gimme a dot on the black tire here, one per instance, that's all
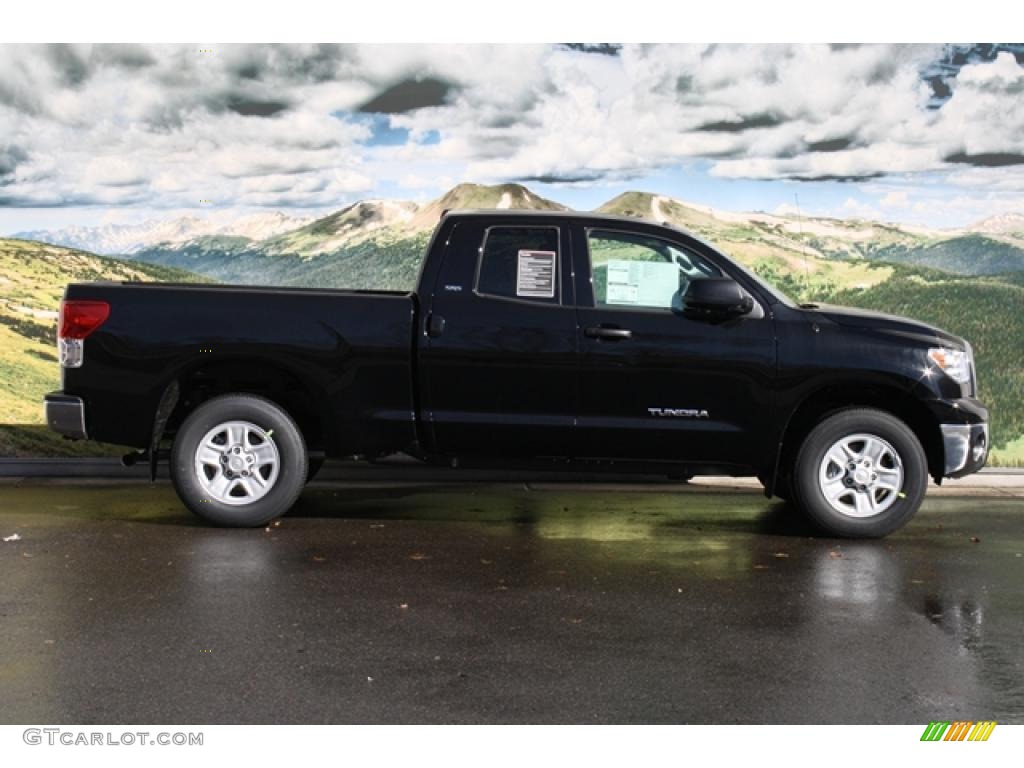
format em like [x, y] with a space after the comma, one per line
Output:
[902, 504]
[280, 431]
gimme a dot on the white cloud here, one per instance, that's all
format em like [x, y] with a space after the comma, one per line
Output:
[859, 209]
[898, 198]
[931, 203]
[786, 209]
[259, 125]
[960, 210]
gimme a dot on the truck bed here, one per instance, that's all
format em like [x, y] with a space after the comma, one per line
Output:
[349, 352]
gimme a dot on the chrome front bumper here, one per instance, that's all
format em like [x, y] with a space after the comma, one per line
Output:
[966, 448]
[65, 414]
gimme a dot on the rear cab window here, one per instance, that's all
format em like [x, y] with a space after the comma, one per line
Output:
[521, 263]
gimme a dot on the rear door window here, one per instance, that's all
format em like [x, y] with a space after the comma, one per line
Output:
[520, 263]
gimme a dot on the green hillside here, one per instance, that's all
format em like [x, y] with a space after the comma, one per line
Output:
[986, 311]
[379, 264]
[968, 255]
[32, 280]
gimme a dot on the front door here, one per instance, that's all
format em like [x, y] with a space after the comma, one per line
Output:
[501, 347]
[655, 383]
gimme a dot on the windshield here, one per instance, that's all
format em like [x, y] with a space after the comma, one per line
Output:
[768, 288]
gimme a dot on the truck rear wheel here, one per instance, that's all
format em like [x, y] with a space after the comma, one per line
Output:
[239, 461]
[860, 473]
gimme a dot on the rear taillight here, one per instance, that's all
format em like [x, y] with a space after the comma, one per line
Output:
[77, 320]
[80, 318]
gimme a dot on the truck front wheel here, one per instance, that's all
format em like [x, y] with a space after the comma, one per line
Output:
[860, 473]
[239, 461]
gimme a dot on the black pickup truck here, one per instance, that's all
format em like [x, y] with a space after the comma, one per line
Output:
[533, 339]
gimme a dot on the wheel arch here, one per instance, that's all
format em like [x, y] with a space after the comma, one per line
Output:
[831, 399]
[288, 388]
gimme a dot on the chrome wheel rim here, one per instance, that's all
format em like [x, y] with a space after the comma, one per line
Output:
[237, 463]
[861, 475]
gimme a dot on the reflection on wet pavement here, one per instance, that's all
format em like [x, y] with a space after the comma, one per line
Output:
[503, 604]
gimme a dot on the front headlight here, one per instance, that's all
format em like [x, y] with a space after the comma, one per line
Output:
[955, 363]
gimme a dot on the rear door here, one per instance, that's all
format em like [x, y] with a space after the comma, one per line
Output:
[500, 341]
[654, 382]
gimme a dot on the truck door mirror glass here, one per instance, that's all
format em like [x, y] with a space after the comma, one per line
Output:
[716, 296]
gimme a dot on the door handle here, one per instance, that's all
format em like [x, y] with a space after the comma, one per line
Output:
[435, 325]
[610, 334]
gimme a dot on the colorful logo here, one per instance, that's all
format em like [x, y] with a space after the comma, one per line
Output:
[960, 730]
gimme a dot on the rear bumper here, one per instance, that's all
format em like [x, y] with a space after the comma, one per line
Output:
[65, 414]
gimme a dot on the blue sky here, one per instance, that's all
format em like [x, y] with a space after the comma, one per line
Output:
[929, 135]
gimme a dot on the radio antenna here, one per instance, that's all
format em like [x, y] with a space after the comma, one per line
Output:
[803, 248]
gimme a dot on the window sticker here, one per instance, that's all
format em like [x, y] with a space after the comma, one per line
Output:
[641, 283]
[535, 277]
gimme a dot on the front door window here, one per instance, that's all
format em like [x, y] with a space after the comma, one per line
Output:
[631, 271]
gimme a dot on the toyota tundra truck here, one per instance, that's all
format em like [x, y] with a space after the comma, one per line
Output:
[533, 339]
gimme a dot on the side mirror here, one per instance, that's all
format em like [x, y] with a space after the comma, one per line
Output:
[716, 297]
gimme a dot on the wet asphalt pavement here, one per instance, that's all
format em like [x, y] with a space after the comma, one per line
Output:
[498, 603]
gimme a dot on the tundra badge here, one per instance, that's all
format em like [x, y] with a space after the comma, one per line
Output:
[680, 413]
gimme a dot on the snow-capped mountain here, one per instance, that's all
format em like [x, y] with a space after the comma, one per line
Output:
[1003, 224]
[260, 226]
[378, 240]
[349, 226]
[132, 238]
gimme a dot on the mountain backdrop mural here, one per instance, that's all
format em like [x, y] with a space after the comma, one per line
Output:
[884, 176]
[969, 281]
